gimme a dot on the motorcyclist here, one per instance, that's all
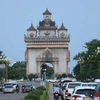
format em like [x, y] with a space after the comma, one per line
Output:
[17, 87]
[56, 89]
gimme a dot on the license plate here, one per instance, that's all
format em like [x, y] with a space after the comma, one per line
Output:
[87, 98]
[56, 94]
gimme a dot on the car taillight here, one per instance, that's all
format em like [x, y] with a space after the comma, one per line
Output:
[97, 94]
[66, 92]
[74, 97]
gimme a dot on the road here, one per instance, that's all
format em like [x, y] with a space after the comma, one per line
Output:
[16, 96]
[51, 92]
[12, 96]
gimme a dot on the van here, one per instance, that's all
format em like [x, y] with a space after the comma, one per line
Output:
[13, 83]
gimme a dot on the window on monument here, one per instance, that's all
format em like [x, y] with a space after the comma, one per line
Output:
[31, 35]
[47, 17]
[62, 35]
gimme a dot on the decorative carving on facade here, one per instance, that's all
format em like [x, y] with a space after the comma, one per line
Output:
[47, 56]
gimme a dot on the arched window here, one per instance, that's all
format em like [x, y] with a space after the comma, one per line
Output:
[62, 35]
[31, 35]
[47, 17]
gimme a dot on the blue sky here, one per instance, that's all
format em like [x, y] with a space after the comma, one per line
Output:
[80, 17]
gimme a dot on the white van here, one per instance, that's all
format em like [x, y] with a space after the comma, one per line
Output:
[13, 83]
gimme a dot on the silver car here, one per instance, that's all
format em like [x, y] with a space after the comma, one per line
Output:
[8, 89]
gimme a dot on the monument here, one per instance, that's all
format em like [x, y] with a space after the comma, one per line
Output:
[47, 44]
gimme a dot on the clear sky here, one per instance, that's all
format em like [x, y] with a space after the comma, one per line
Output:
[80, 17]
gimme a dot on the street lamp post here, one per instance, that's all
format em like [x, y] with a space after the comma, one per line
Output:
[44, 76]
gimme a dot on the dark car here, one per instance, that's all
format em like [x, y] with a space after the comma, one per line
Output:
[27, 88]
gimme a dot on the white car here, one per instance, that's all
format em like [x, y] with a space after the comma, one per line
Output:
[14, 84]
[8, 89]
[83, 92]
[67, 92]
[93, 84]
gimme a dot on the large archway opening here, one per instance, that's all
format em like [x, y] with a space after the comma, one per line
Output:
[49, 68]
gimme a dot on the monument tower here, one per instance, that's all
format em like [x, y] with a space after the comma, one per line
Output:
[47, 44]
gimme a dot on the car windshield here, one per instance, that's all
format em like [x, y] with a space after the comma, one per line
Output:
[86, 92]
[73, 85]
[8, 86]
[14, 83]
[28, 86]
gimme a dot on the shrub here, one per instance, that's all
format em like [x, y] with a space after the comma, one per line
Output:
[35, 95]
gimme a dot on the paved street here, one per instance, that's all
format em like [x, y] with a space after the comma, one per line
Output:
[20, 95]
[12, 96]
[16, 96]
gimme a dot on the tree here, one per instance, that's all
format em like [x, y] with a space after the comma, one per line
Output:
[31, 76]
[17, 71]
[64, 75]
[59, 76]
[87, 65]
[49, 72]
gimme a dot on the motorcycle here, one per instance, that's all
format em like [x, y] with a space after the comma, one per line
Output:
[23, 89]
[17, 90]
[56, 95]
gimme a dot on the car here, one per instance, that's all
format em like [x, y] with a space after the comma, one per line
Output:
[83, 93]
[7, 83]
[13, 83]
[14, 86]
[67, 92]
[97, 92]
[27, 88]
[89, 84]
[8, 89]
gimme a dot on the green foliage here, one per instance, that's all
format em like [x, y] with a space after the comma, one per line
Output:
[88, 62]
[31, 97]
[37, 94]
[31, 76]
[17, 71]
[59, 76]
[64, 75]
[45, 96]
[49, 72]
[1, 53]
